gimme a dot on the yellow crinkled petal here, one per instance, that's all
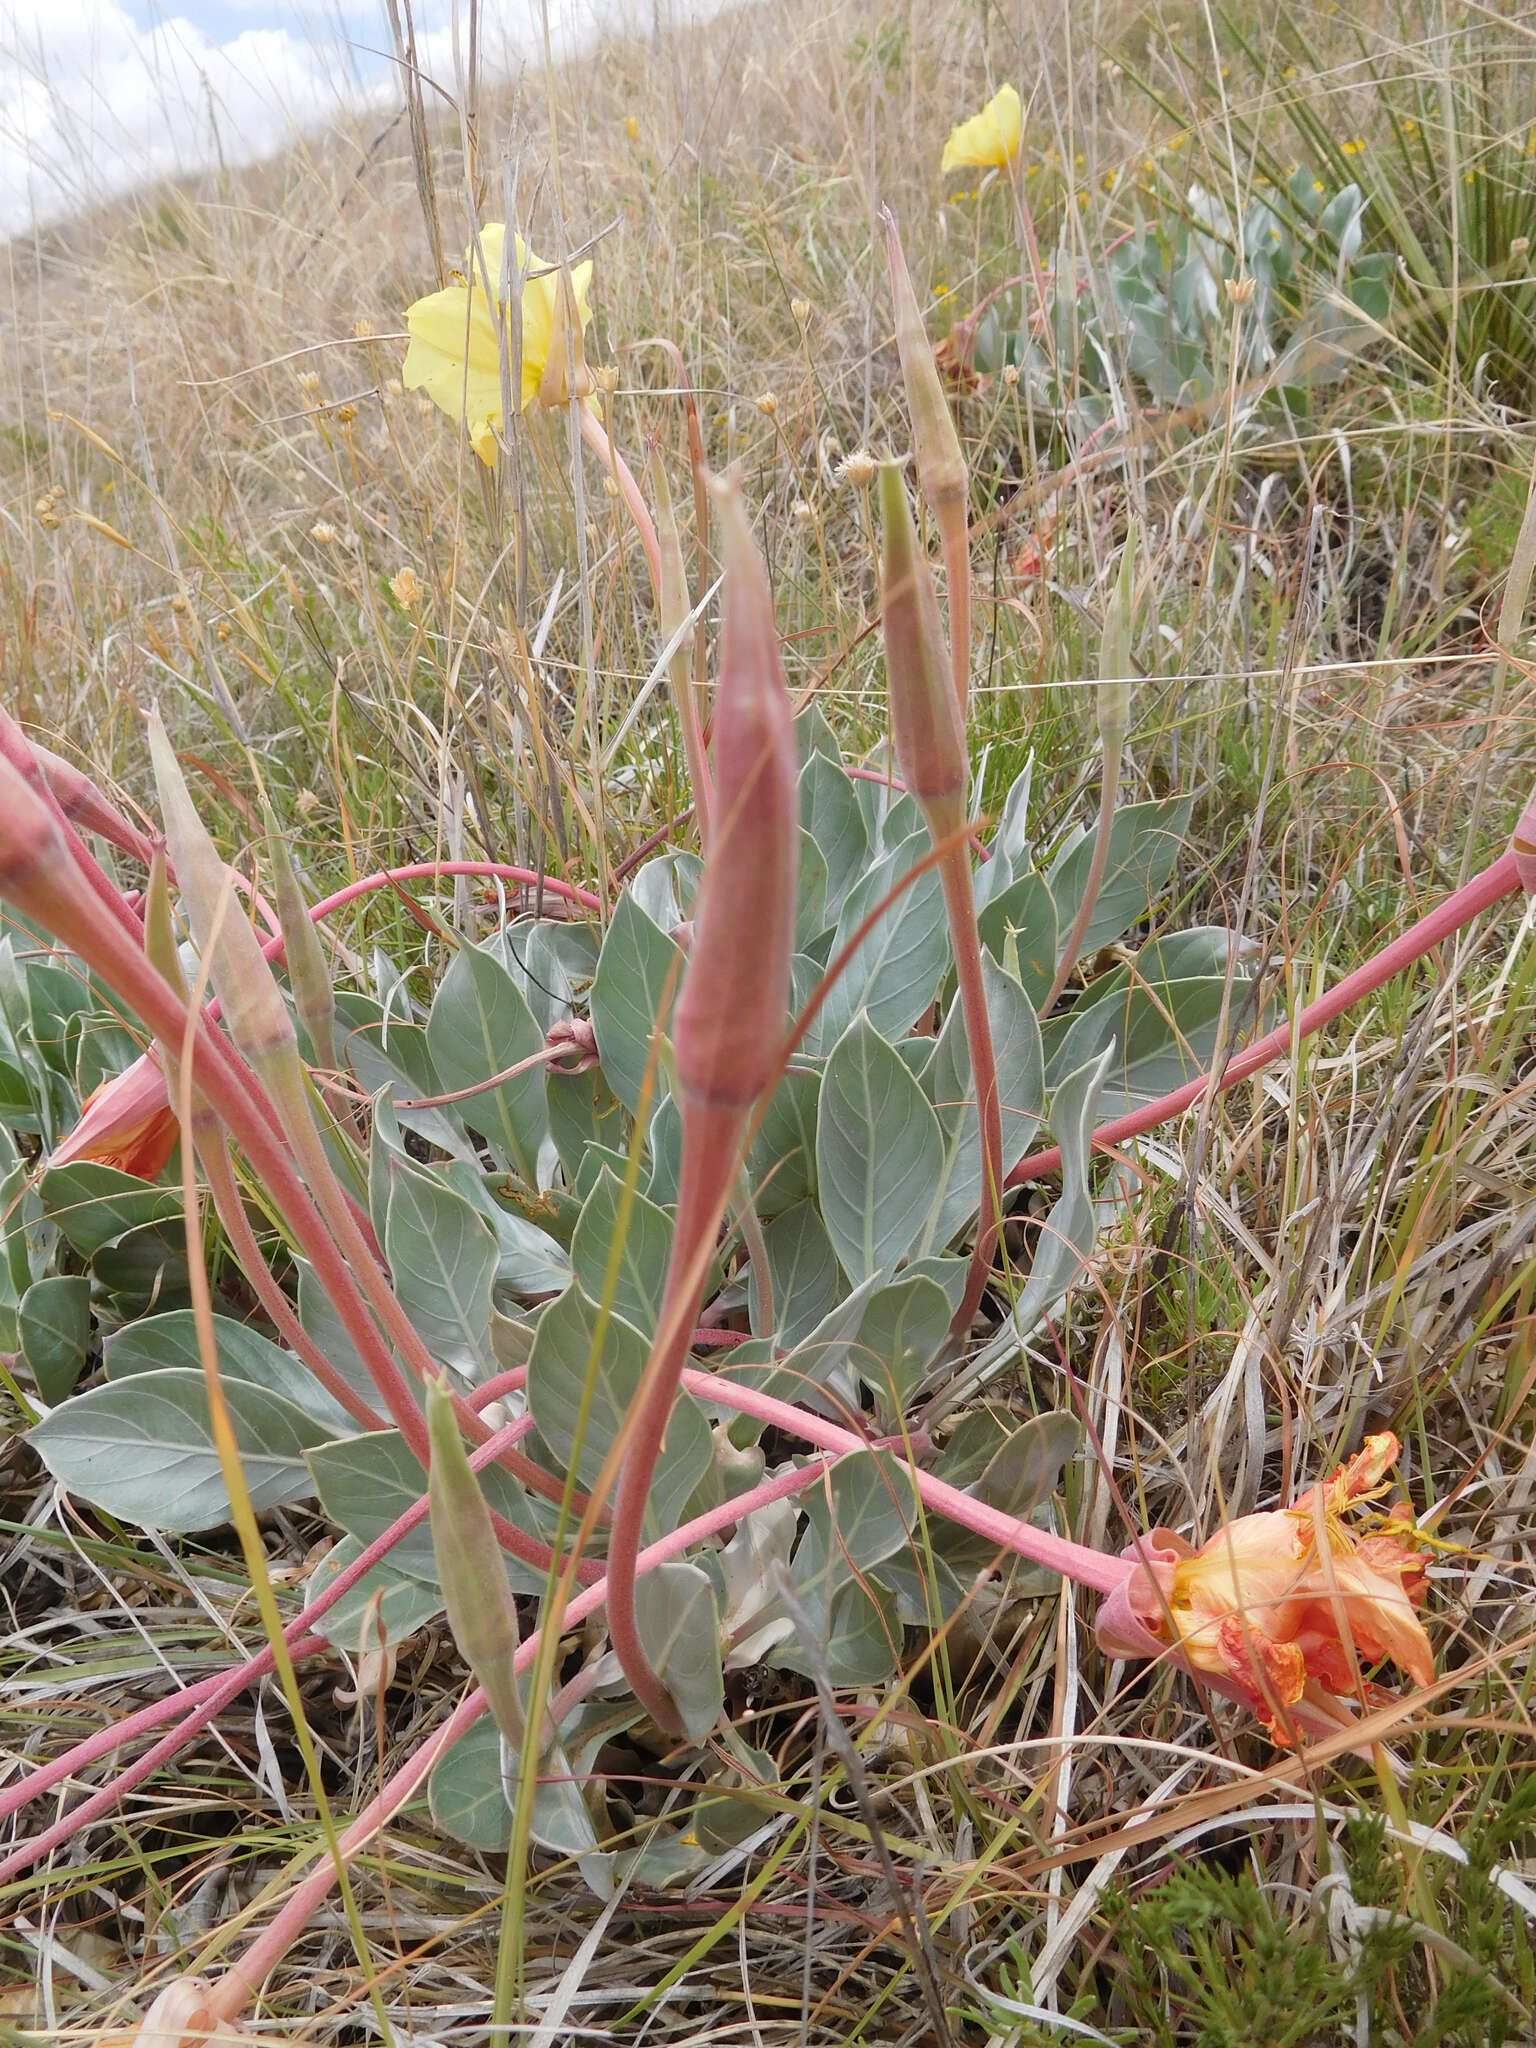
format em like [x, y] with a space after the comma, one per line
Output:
[453, 357]
[990, 138]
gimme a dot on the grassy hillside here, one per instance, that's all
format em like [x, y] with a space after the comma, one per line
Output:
[1260, 285]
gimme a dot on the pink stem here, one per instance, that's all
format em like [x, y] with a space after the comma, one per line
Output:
[597, 438]
[1484, 890]
[245, 1977]
[208, 1696]
[1058, 1553]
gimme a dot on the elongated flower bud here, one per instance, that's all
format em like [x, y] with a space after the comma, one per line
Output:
[731, 1013]
[925, 719]
[481, 1611]
[308, 975]
[35, 865]
[940, 464]
[254, 1009]
[85, 806]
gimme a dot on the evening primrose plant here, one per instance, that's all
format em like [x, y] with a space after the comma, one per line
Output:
[640, 1299]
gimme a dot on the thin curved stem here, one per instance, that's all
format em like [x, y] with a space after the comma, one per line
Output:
[1108, 785]
[600, 441]
[1498, 880]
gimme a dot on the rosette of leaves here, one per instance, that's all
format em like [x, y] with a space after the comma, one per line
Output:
[526, 1222]
[1157, 306]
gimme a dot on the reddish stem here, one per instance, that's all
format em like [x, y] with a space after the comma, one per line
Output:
[1484, 890]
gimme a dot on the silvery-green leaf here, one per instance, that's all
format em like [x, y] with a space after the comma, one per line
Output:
[552, 960]
[155, 1342]
[93, 1204]
[567, 1355]
[1159, 1038]
[829, 812]
[813, 735]
[879, 1153]
[143, 1449]
[528, 1260]
[443, 1259]
[680, 1632]
[53, 1323]
[464, 1790]
[1067, 1236]
[639, 1233]
[666, 886]
[804, 1270]
[397, 1058]
[324, 1325]
[810, 891]
[895, 971]
[480, 1025]
[1019, 929]
[1144, 844]
[385, 1602]
[632, 995]
[366, 1483]
[902, 1328]
[1011, 839]
[1020, 1063]
[781, 1161]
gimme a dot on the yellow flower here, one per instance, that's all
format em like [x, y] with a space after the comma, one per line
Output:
[632, 127]
[991, 137]
[456, 339]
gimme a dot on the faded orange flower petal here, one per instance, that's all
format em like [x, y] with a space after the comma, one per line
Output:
[127, 1122]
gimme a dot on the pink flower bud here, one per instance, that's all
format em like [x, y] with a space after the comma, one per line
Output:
[730, 1023]
[925, 719]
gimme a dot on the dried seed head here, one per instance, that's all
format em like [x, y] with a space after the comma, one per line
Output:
[607, 379]
[859, 469]
[767, 404]
[801, 308]
[405, 588]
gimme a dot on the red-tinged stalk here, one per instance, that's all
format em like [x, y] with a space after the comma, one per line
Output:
[244, 1978]
[1114, 717]
[930, 746]
[1496, 881]
[18, 751]
[600, 441]
[198, 1704]
[729, 1029]
[940, 464]
[36, 876]
[86, 808]
[263, 1031]
[675, 608]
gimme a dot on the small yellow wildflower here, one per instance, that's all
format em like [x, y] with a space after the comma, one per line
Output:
[456, 338]
[990, 138]
[346, 414]
[405, 588]
[632, 127]
[1354, 146]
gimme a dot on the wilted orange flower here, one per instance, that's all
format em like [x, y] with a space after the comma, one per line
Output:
[127, 1122]
[1282, 1609]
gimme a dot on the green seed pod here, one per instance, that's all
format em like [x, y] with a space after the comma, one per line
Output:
[308, 975]
[925, 719]
[481, 1611]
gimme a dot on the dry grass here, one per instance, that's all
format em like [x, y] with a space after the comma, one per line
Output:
[1347, 1244]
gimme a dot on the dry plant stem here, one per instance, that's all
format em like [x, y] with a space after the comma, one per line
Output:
[1497, 880]
[711, 1148]
[960, 906]
[1109, 783]
[597, 438]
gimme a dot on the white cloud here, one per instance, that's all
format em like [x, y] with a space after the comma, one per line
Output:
[90, 103]
[93, 104]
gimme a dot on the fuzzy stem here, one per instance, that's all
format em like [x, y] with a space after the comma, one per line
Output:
[1485, 889]
[950, 516]
[598, 439]
[960, 904]
[712, 1136]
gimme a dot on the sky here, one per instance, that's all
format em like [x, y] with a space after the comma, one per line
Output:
[97, 96]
